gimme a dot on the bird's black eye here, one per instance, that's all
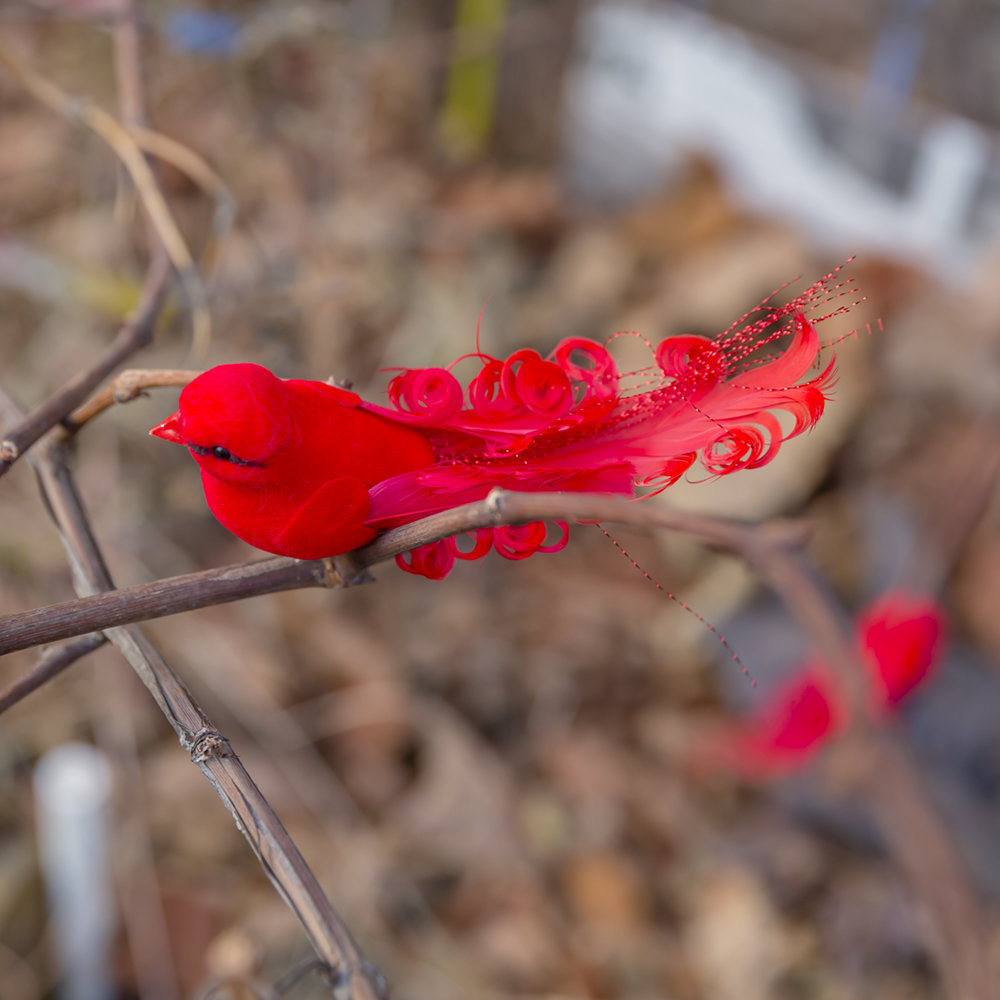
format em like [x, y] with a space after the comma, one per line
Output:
[222, 454]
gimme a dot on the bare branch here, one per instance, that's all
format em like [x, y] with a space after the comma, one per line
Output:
[52, 662]
[128, 385]
[125, 147]
[348, 973]
[135, 333]
[155, 600]
[268, 576]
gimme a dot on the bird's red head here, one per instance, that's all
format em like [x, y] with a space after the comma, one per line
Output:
[233, 419]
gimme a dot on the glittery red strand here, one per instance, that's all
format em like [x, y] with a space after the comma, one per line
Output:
[732, 652]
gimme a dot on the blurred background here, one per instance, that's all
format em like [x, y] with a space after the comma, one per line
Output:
[492, 775]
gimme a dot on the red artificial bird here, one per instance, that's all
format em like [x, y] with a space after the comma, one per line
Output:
[309, 470]
[287, 466]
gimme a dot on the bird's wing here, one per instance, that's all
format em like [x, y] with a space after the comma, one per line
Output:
[443, 486]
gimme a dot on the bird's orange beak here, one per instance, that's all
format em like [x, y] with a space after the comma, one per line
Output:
[169, 430]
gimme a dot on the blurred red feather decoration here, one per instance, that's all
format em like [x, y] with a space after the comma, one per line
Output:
[573, 421]
[900, 636]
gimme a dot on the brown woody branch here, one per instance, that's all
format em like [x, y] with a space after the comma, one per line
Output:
[128, 385]
[154, 600]
[52, 662]
[348, 973]
[268, 576]
[126, 148]
[135, 333]
[957, 926]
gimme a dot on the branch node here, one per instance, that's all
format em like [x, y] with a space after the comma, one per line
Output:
[128, 386]
[342, 571]
[209, 743]
[495, 499]
[340, 982]
[9, 451]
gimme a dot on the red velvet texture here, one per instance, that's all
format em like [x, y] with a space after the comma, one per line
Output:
[312, 455]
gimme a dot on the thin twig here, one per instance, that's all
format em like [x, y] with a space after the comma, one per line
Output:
[128, 385]
[136, 332]
[51, 663]
[190, 163]
[125, 147]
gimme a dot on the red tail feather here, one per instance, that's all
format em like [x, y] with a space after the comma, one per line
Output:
[565, 423]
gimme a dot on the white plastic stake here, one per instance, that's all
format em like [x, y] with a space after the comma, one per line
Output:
[72, 789]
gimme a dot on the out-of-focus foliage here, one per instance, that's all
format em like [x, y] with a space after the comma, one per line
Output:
[491, 775]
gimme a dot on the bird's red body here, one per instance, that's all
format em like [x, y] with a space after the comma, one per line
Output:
[301, 458]
[309, 470]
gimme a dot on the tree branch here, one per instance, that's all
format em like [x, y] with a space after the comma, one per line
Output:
[268, 576]
[128, 151]
[52, 662]
[889, 779]
[348, 973]
[128, 385]
[155, 600]
[135, 333]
